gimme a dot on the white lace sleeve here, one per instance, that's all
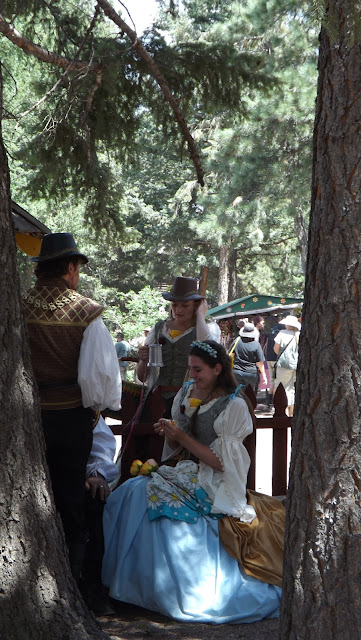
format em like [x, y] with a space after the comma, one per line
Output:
[227, 488]
[98, 369]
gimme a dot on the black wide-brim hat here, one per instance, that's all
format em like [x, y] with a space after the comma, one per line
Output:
[183, 289]
[58, 245]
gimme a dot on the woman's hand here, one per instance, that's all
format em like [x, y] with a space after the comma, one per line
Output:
[168, 429]
[158, 428]
[202, 308]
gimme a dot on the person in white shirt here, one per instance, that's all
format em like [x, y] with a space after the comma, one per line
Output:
[77, 374]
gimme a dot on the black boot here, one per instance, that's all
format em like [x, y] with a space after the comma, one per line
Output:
[96, 598]
[76, 559]
[269, 401]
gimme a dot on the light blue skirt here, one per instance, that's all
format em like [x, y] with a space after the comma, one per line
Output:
[178, 569]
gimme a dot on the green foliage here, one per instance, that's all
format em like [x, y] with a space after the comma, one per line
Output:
[141, 310]
[245, 75]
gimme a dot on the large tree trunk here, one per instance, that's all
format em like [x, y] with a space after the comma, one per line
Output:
[232, 289]
[223, 277]
[322, 586]
[38, 598]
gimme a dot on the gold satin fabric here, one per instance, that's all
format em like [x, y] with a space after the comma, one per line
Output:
[257, 545]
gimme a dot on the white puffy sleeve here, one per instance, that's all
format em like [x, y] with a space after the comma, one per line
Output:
[227, 488]
[208, 331]
[102, 452]
[98, 369]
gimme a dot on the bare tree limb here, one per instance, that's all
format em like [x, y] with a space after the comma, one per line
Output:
[153, 68]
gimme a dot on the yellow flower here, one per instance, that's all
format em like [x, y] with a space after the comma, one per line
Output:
[135, 467]
[148, 466]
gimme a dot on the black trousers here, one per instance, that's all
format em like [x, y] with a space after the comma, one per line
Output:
[92, 567]
[68, 437]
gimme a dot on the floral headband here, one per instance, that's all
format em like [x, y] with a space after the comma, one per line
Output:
[206, 347]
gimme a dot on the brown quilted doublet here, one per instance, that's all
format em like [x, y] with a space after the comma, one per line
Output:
[57, 317]
[59, 305]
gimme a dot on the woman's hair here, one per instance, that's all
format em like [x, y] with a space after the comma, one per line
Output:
[213, 353]
[55, 268]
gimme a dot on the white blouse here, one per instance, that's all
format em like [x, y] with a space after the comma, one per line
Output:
[98, 369]
[227, 488]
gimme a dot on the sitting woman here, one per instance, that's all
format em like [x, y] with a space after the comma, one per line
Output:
[184, 542]
[185, 324]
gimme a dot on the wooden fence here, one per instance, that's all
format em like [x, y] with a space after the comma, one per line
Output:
[279, 422]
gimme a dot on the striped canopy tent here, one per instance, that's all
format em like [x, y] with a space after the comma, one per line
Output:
[254, 305]
[29, 232]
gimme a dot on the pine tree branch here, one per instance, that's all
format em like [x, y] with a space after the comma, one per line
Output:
[264, 245]
[154, 70]
[44, 55]
[62, 62]
[59, 61]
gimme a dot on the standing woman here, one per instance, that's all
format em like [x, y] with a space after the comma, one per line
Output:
[186, 542]
[249, 358]
[185, 324]
[286, 348]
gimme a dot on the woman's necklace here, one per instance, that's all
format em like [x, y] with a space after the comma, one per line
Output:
[195, 402]
[209, 395]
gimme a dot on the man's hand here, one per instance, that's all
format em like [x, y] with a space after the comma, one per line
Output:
[97, 483]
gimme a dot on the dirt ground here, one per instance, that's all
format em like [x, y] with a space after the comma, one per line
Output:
[133, 623]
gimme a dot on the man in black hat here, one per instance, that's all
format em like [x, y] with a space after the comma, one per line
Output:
[76, 370]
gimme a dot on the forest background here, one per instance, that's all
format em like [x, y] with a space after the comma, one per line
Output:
[120, 179]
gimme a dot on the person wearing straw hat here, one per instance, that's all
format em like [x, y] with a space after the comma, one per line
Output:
[249, 357]
[286, 349]
[185, 324]
[77, 373]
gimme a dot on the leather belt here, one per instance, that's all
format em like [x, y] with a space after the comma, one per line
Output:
[59, 384]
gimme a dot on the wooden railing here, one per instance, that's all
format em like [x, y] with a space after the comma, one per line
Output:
[140, 441]
[279, 422]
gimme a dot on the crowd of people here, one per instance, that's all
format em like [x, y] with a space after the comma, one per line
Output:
[189, 541]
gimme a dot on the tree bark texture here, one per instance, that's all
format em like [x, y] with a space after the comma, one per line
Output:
[322, 583]
[38, 597]
[232, 287]
[223, 278]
